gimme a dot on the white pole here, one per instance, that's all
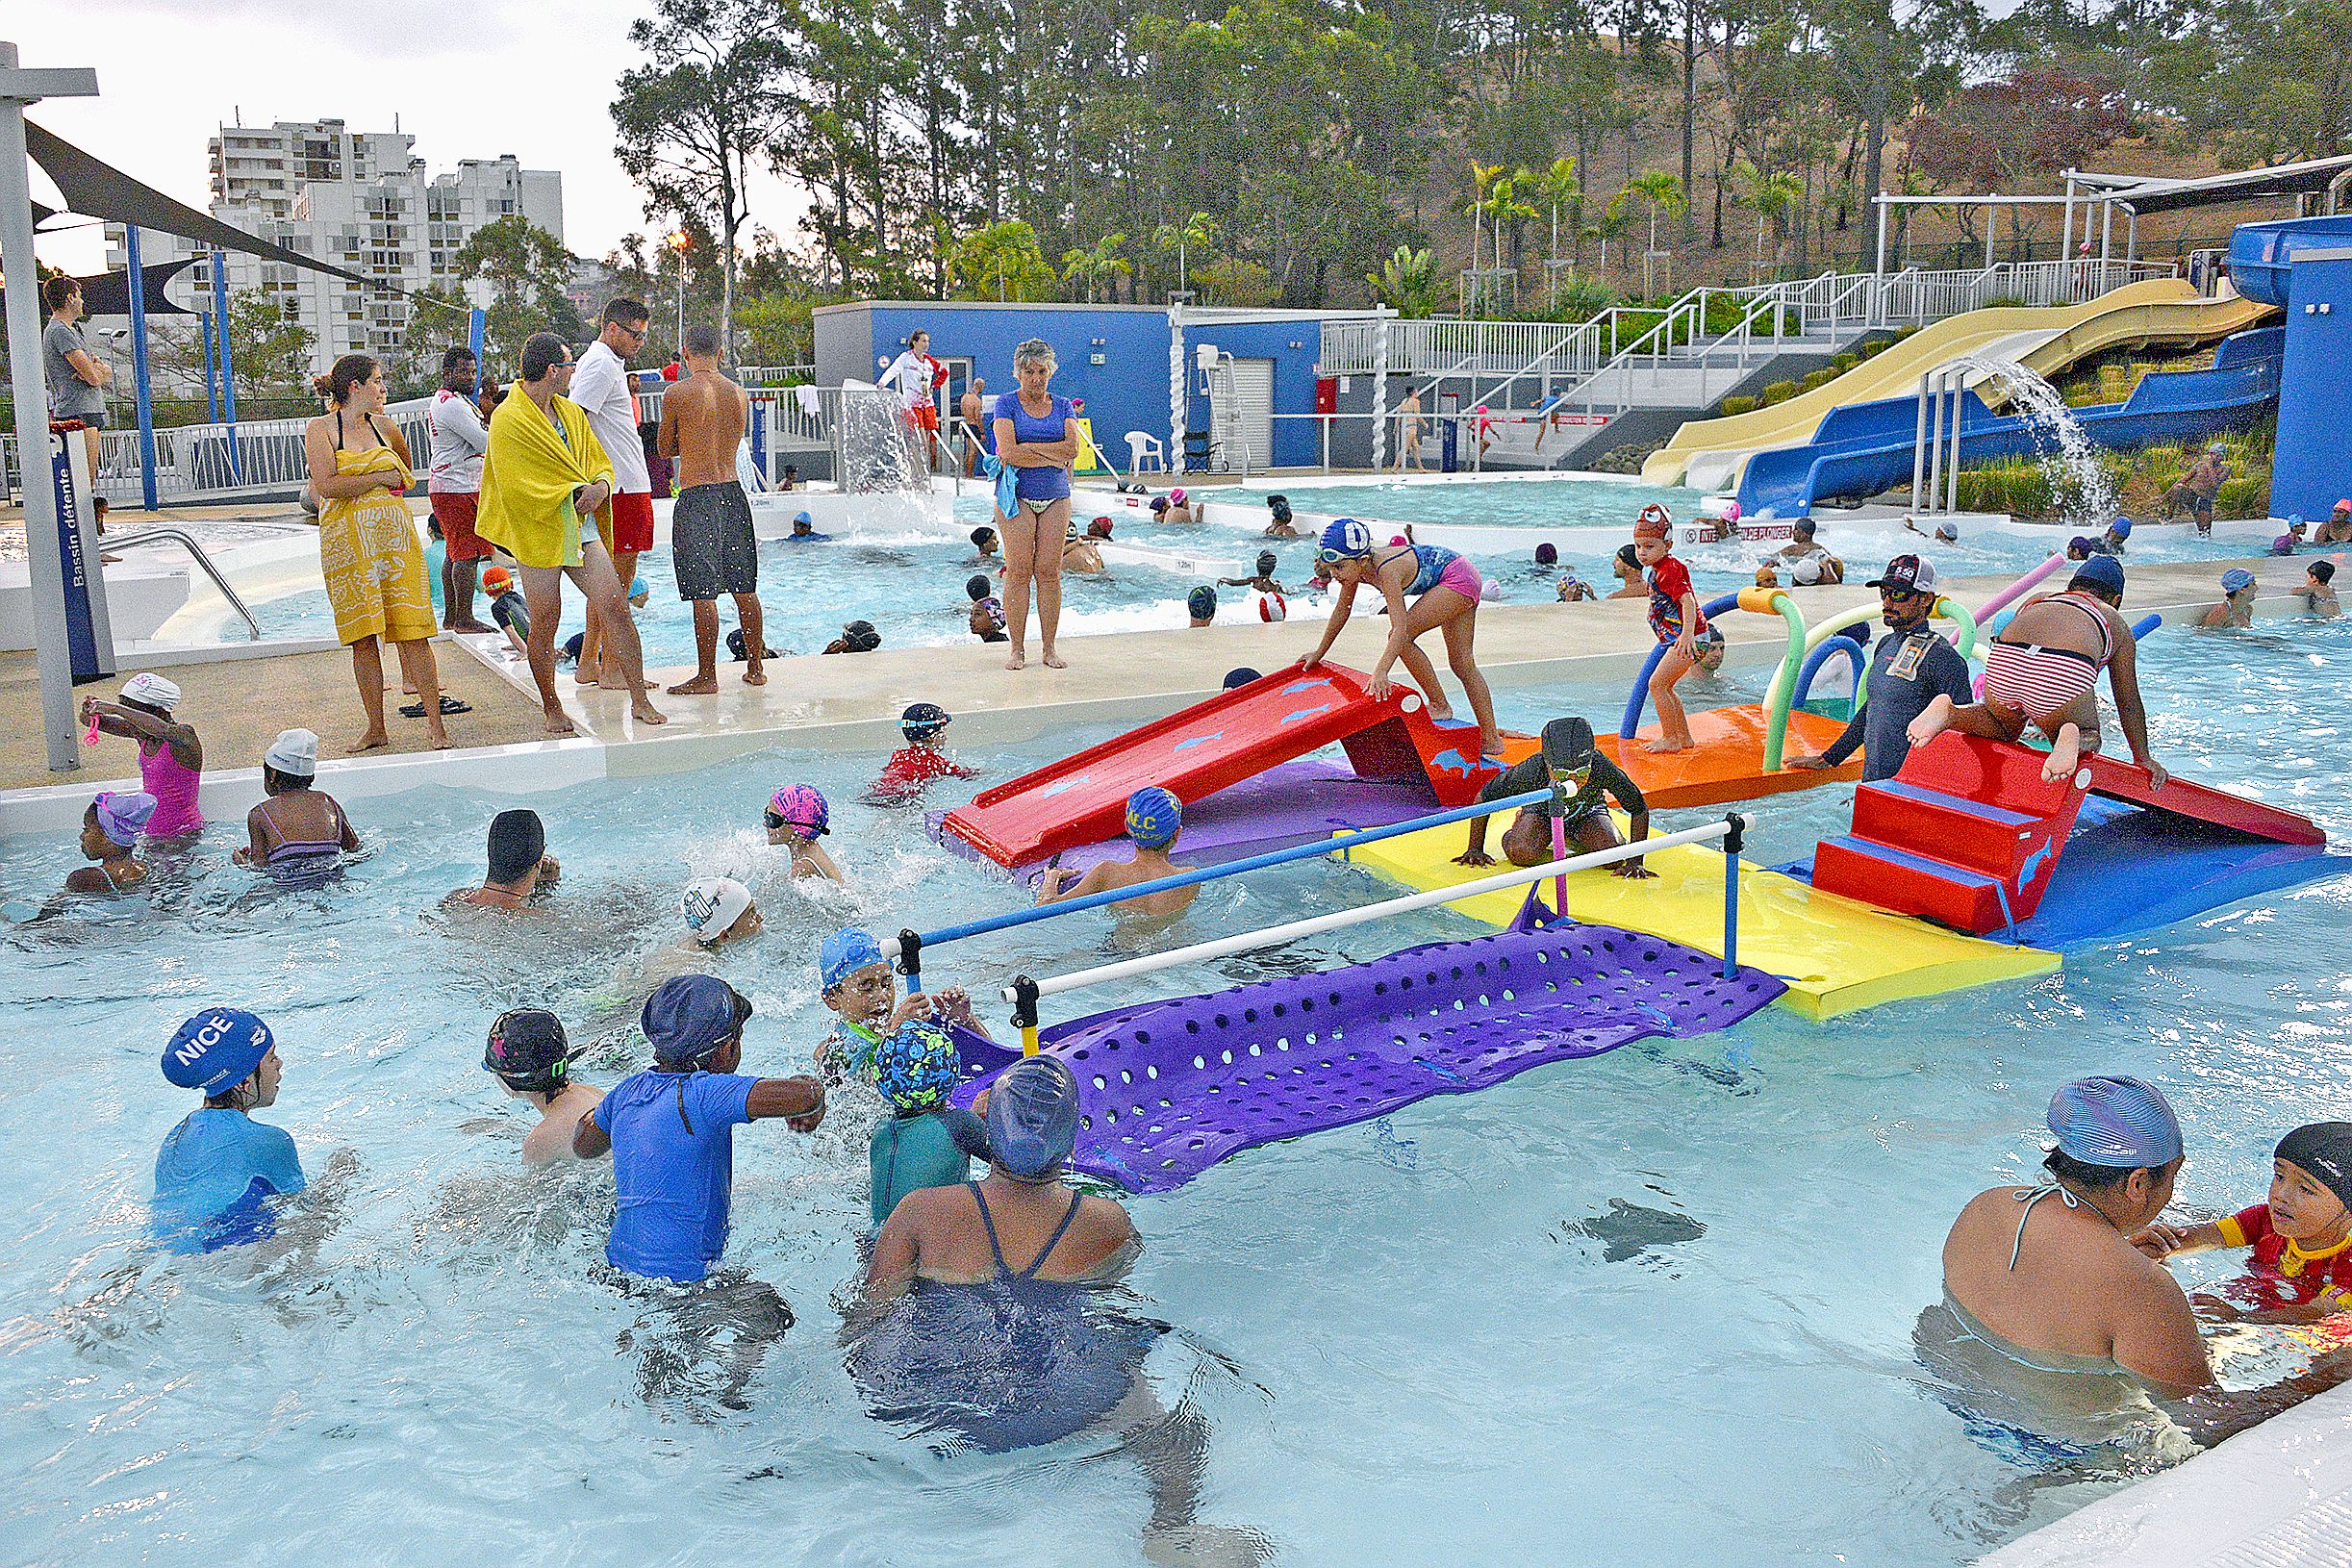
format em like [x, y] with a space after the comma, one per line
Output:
[1959, 395]
[1379, 388]
[52, 655]
[2065, 235]
[1919, 448]
[1179, 385]
[1226, 946]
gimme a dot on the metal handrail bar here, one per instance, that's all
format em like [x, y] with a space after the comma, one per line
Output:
[168, 535]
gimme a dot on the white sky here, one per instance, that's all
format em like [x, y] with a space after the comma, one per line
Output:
[468, 78]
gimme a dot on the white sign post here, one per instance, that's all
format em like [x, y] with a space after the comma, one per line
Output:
[50, 653]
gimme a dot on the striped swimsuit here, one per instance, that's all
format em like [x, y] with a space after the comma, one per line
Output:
[2042, 682]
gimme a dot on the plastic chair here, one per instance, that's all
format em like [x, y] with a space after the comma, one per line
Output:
[1145, 451]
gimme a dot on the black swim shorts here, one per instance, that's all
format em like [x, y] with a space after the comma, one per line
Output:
[712, 547]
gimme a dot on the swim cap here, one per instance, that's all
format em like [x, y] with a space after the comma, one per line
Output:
[571, 646]
[1159, 503]
[1266, 561]
[1202, 604]
[122, 815]
[981, 536]
[1032, 1117]
[803, 516]
[217, 1050]
[1176, 495]
[801, 806]
[2235, 578]
[151, 692]
[2101, 572]
[843, 953]
[527, 1050]
[691, 1015]
[1730, 511]
[1279, 506]
[712, 905]
[1806, 571]
[2079, 548]
[860, 637]
[1567, 744]
[924, 719]
[2324, 1149]
[1070, 534]
[294, 752]
[498, 579]
[518, 841]
[2296, 525]
[1948, 531]
[1653, 523]
[1153, 817]
[2121, 527]
[1345, 539]
[1547, 554]
[1240, 677]
[1100, 528]
[975, 588]
[916, 1066]
[2344, 505]
[2114, 1121]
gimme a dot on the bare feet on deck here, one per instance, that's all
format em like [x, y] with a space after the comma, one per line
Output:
[1055, 661]
[755, 676]
[435, 736]
[559, 723]
[645, 710]
[375, 739]
[699, 686]
[1018, 661]
[471, 626]
[1931, 723]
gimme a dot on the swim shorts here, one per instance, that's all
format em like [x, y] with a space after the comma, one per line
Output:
[1463, 578]
[632, 521]
[712, 548]
[924, 417]
[454, 510]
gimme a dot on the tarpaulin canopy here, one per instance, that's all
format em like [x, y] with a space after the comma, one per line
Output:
[95, 188]
[109, 294]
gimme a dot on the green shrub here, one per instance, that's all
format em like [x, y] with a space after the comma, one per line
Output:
[1820, 378]
[2021, 490]
[1780, 391]
[2246, 497]
[1873, 348]
[1845, 362]
[1737, 405]
[1910, 331]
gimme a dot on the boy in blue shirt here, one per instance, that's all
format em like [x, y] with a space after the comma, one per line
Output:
[670, 1129]
[219, 1168]
[916, 1068]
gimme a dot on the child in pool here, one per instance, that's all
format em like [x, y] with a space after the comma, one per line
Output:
[2301, 1270]
[987, 616]
[2237, 606]
[2318, 590]
[915, 764]
[984, 542]
[1263, 580]
[1675, 620]
[218, 1169]
[863, 994]
[531, 1059]
[1200, 607]
[110, 837]
[1154, 818]
[1282, 525]
[916, 1068]
[507, 609]
[1575, 590]
[1445, 589]
[797, 817]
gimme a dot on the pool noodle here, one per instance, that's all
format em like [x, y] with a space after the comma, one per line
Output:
[2016, 590]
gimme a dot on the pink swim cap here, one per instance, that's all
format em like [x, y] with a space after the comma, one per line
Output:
[802, 807]
[1176, 495]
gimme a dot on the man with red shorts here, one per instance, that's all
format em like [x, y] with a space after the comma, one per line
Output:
[454, 485]
[600, 385]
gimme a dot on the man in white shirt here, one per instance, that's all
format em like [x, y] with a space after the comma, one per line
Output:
[600, 385]
[454, 486]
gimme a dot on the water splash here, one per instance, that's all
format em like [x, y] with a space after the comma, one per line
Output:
[881, 463]
[2079, 485]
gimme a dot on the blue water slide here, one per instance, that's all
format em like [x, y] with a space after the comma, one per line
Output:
[1865, 448]
[2263, 254]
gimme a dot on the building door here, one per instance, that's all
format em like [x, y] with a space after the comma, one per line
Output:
[959, 376]
[1242, 412]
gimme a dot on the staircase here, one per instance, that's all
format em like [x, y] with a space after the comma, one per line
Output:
[1966, 835]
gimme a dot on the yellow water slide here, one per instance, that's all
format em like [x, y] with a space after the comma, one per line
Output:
[1711, 453]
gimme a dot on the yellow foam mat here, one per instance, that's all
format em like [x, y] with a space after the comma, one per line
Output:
[1835, 954]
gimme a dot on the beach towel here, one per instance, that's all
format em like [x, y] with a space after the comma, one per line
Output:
[528, 478]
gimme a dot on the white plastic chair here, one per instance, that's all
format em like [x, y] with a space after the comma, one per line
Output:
[1145, 451]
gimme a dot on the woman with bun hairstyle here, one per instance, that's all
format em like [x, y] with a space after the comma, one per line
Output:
[367, 548]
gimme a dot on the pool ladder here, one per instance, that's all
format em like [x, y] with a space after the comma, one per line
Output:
[181, 536]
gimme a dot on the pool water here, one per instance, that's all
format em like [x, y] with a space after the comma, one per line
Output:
[1653, 1301]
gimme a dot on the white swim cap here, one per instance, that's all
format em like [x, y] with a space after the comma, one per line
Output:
[712, 905]
[1807, 569]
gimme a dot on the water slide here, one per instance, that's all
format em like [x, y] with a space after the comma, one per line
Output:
[1864, 448]
[1224, 741]
[1709, 454]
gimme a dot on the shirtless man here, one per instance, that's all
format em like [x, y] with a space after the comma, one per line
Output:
[2044, 668]
[1408, 431]
[1155, 818]
[979, 430]
[520, 869]
[711, 543]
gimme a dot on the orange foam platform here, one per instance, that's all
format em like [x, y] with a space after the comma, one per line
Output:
[1727, 764]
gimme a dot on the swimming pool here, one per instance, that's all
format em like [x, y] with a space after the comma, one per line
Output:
[1653, 1301]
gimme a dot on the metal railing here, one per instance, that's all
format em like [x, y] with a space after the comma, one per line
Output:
[773, 375]
[202, 462]
[168, 535]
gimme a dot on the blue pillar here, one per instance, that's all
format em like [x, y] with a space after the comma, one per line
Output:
[228, 388]
[212, 387]
[138, 367]
[476, 327]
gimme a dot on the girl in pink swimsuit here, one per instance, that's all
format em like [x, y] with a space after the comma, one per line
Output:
[170, 756]
[1445, 589]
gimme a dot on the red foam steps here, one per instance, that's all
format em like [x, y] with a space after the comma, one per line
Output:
[1946, 827]
[1910, 884]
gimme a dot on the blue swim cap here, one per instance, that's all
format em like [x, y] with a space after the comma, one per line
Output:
[217, 1050]
[1240, 677]
[691, 1015]
[924, 718]
[845, 953]
[803, 516]
[2121, 527]
[1202, 604]
[1032, 1117]
[2101, 572]
[1153, 817]
[1344, 539]
[2235, 578]
[2114, 1121]
[916, 1066]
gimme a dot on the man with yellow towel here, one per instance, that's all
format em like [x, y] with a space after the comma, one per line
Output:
[544, 483]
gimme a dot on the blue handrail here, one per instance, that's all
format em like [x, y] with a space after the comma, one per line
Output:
[1631, 723]
[891, 947]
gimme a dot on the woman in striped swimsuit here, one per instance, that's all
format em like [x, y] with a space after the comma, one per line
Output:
[1445, 588]
[2044, 668]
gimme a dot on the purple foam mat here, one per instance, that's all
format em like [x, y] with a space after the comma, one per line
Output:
[1296, 803]
[1168, 1089]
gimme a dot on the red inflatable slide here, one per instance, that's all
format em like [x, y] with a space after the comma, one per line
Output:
[1233, 736]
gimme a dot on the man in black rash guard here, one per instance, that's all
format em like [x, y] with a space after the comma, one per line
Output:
[1583, 782]
[1910, 668]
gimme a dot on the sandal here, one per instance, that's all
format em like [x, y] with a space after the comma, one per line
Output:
[448, 705]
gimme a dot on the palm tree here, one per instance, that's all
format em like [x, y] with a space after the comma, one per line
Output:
[1772, 197]
[1659, 194]
[1558, 188]
[1198, 231]
[1483, 177]
[1612, 223]
[1098, 266]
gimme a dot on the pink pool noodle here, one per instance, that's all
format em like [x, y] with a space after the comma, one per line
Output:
[2000, 602]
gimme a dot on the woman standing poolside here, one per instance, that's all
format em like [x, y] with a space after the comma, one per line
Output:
[367, 546]
[1037, 438]
[1444, 588]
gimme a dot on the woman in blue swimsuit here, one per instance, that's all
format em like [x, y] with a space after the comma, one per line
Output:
[1037, 438]
[1445, 588]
